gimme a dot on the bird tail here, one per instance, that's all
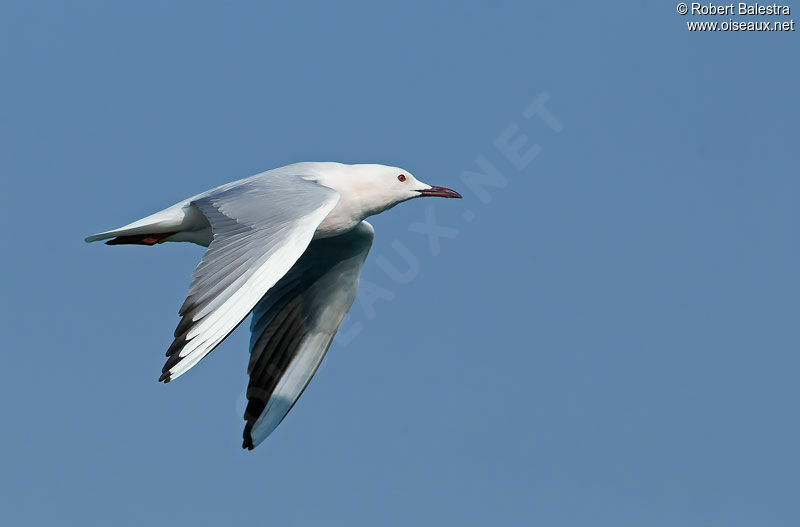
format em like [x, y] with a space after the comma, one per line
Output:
[153, 229]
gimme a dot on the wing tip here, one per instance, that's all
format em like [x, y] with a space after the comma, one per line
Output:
[247, 444]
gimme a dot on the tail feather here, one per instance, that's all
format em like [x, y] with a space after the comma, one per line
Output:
[154, 228]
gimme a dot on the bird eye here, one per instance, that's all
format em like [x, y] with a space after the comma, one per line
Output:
[401, 177]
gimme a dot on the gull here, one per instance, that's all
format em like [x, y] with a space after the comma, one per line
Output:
[286, 245]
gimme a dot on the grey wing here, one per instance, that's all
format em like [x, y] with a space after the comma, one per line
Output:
[294, 324]
[260, 227]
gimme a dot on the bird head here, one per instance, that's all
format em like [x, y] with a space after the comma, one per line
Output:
[380, 187]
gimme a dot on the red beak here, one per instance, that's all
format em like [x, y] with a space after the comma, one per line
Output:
[439, 192]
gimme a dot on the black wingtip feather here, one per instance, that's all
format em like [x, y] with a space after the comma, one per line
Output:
[176, 345]
[171, 362]
[248, 439]
[183, 326]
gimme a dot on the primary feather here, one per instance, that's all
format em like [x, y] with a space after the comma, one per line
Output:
[288, 245]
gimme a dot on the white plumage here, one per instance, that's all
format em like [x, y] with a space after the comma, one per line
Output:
[288, 245]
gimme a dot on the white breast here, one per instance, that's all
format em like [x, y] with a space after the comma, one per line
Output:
[344, 217]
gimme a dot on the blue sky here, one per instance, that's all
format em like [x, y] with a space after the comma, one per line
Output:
[606, 336]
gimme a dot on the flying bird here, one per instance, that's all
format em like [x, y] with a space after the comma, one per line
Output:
[287, 245]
